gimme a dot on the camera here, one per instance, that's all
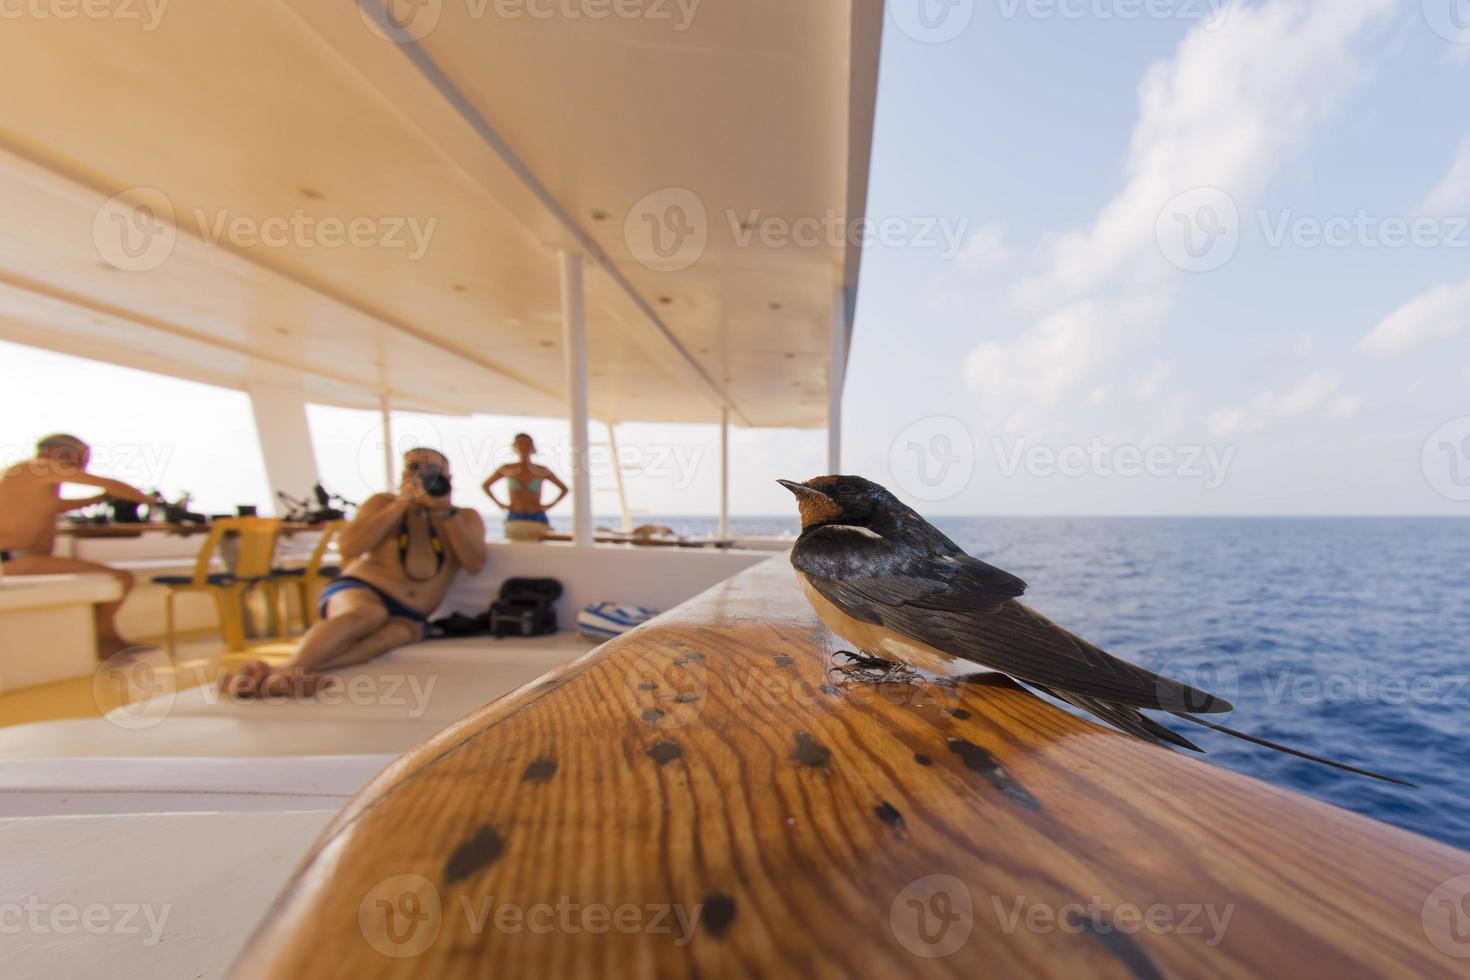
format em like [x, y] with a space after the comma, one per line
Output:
[434, 480]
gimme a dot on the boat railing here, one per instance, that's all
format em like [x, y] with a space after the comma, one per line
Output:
[709, 795]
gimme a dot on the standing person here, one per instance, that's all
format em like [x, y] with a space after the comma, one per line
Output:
[525, 518]
[402, 550]
[30, 503]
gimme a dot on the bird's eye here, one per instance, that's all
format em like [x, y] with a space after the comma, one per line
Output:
[846, 489]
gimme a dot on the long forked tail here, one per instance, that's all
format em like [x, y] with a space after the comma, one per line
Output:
[1290, 751]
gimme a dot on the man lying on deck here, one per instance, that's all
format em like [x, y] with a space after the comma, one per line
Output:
[30, 503]
[401, 552]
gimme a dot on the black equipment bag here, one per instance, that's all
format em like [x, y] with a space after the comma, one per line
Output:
[525, 607]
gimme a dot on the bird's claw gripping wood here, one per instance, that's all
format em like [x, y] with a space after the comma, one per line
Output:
[867, 669]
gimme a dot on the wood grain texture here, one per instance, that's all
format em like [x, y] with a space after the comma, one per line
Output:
[710, 764]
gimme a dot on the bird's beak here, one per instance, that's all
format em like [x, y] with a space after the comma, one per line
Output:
[802, 491]
[815, 506]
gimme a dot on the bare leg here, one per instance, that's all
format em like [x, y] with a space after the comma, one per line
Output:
[105, 613]
[397, 633]
[357, 629]
[352, 615]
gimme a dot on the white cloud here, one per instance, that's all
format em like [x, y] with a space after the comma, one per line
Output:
[1451, 197]
[1315, 393]
[1149, 385]
[1439, 314]
[1018, 381]
[1227, 110]
[986, 249]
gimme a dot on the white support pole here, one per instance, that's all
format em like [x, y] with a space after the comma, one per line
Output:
[574, 342]
[390, 463]
[724, 473]
[617, 463]
[836, 377]
[285, 440]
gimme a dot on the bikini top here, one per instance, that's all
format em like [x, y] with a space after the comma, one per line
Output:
[530, 486]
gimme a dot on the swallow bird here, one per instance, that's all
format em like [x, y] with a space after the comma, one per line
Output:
[890, 583]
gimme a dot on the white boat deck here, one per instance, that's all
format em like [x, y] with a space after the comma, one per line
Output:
[178, 823]
[384, 707]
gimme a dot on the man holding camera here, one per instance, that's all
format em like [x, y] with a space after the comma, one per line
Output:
[30, 503]
[401, 551]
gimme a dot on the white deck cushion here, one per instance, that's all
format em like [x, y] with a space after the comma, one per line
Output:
[73, 787]
[384, 707]
[125, 897]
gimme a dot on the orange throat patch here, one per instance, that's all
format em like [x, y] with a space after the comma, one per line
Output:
[816, 508]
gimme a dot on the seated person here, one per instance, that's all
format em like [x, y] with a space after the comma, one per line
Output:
[525, 518]
[30, 503]
[401, 551]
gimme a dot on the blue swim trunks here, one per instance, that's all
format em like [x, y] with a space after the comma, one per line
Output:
[539, 516]
[395, 608]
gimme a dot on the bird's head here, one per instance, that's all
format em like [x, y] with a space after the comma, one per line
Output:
[840, 500]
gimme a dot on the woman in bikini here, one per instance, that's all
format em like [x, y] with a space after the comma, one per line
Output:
[525, 518]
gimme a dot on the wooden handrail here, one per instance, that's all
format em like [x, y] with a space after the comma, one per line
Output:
[702, 797]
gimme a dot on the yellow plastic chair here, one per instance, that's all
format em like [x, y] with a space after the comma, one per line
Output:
[309, 579]
[253, 547]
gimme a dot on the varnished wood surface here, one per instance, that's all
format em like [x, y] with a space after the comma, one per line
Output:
[708, 763]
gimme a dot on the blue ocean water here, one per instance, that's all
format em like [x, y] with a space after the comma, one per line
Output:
[1344, 637]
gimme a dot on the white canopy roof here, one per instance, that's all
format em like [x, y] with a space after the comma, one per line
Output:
[302, 196]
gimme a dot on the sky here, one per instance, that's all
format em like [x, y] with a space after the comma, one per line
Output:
[1212, 259]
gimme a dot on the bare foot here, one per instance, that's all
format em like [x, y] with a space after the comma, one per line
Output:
[293, 682]
[256, 679]
[245, 680]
